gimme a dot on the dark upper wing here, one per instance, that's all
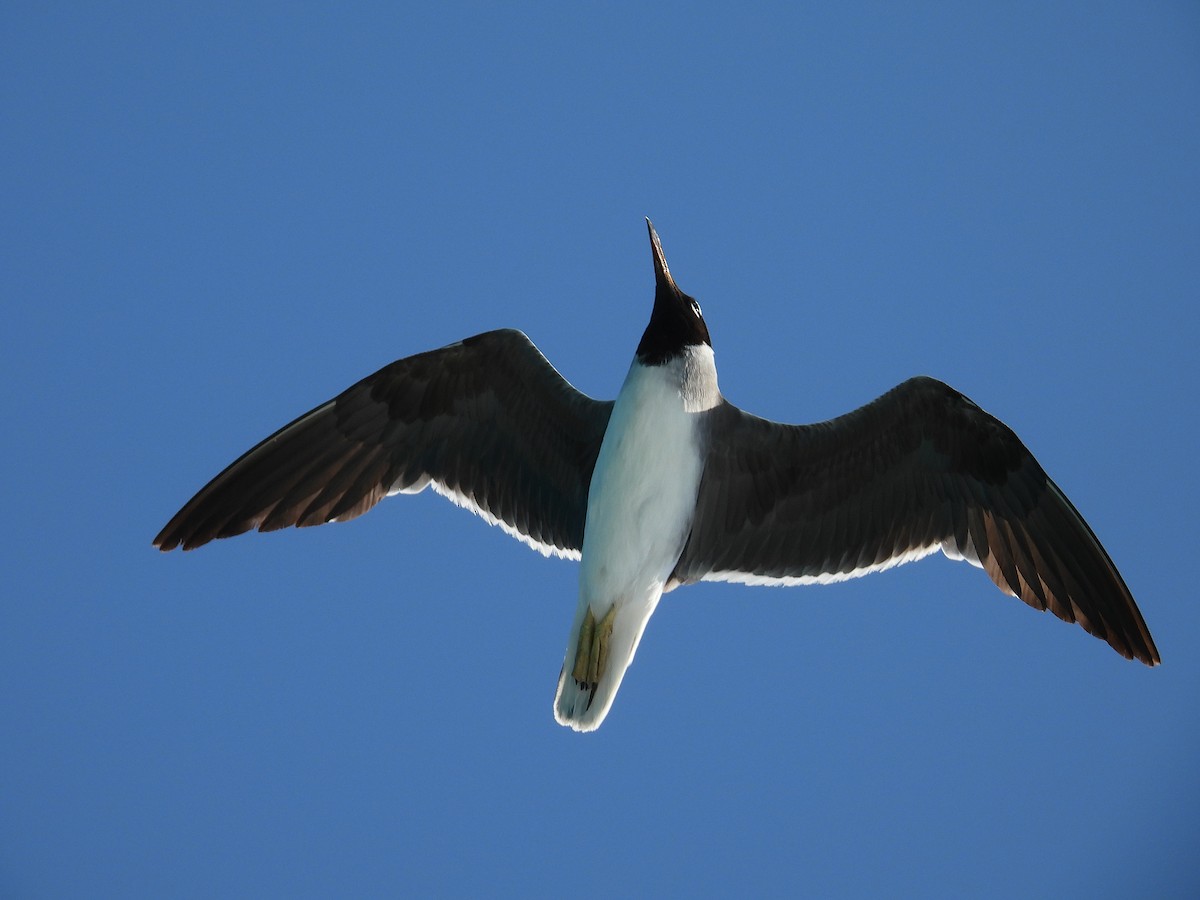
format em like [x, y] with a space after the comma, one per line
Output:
[488, 421]
[920, 468]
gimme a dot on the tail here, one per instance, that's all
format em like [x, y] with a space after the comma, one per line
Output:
[598, 653]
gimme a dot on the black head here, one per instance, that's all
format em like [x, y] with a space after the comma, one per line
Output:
[676, 321]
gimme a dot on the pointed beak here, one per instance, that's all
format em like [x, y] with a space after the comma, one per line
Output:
[662, 274]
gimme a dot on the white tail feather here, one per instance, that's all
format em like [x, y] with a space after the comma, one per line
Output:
[584, 706]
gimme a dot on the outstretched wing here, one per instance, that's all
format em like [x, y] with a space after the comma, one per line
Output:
[487, 421]
[920, 468]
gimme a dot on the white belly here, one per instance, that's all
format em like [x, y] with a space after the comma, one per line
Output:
[642, 495]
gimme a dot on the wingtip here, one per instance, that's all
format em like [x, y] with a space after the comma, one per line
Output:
[164, 545]
[169, 536]
[1148, 653]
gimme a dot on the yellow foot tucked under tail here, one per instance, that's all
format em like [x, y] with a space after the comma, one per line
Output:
[591, 656]
[599, 652]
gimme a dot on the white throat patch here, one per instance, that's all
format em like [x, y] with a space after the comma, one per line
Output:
[698, 378]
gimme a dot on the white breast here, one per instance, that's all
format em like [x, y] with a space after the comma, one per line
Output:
[644, 487]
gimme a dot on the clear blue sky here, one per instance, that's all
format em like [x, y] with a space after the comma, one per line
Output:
[215, 218]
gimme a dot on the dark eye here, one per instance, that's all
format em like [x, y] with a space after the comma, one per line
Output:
[696, 310]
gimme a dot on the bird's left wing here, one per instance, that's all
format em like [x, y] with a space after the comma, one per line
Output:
[487, 421]
[920, 468]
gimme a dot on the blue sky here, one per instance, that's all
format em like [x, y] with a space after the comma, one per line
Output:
[216, 217]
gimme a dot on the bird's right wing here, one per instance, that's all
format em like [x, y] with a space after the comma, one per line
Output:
[919, 469]
[487, 421]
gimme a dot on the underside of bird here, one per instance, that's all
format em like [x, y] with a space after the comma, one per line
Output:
[670, 484]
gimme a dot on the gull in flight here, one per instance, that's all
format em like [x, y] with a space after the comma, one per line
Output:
[670, 484]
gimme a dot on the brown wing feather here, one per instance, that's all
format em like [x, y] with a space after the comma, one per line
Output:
[919, 468]
[488, 420]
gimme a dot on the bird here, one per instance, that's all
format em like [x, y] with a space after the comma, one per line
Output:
[671, 484]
